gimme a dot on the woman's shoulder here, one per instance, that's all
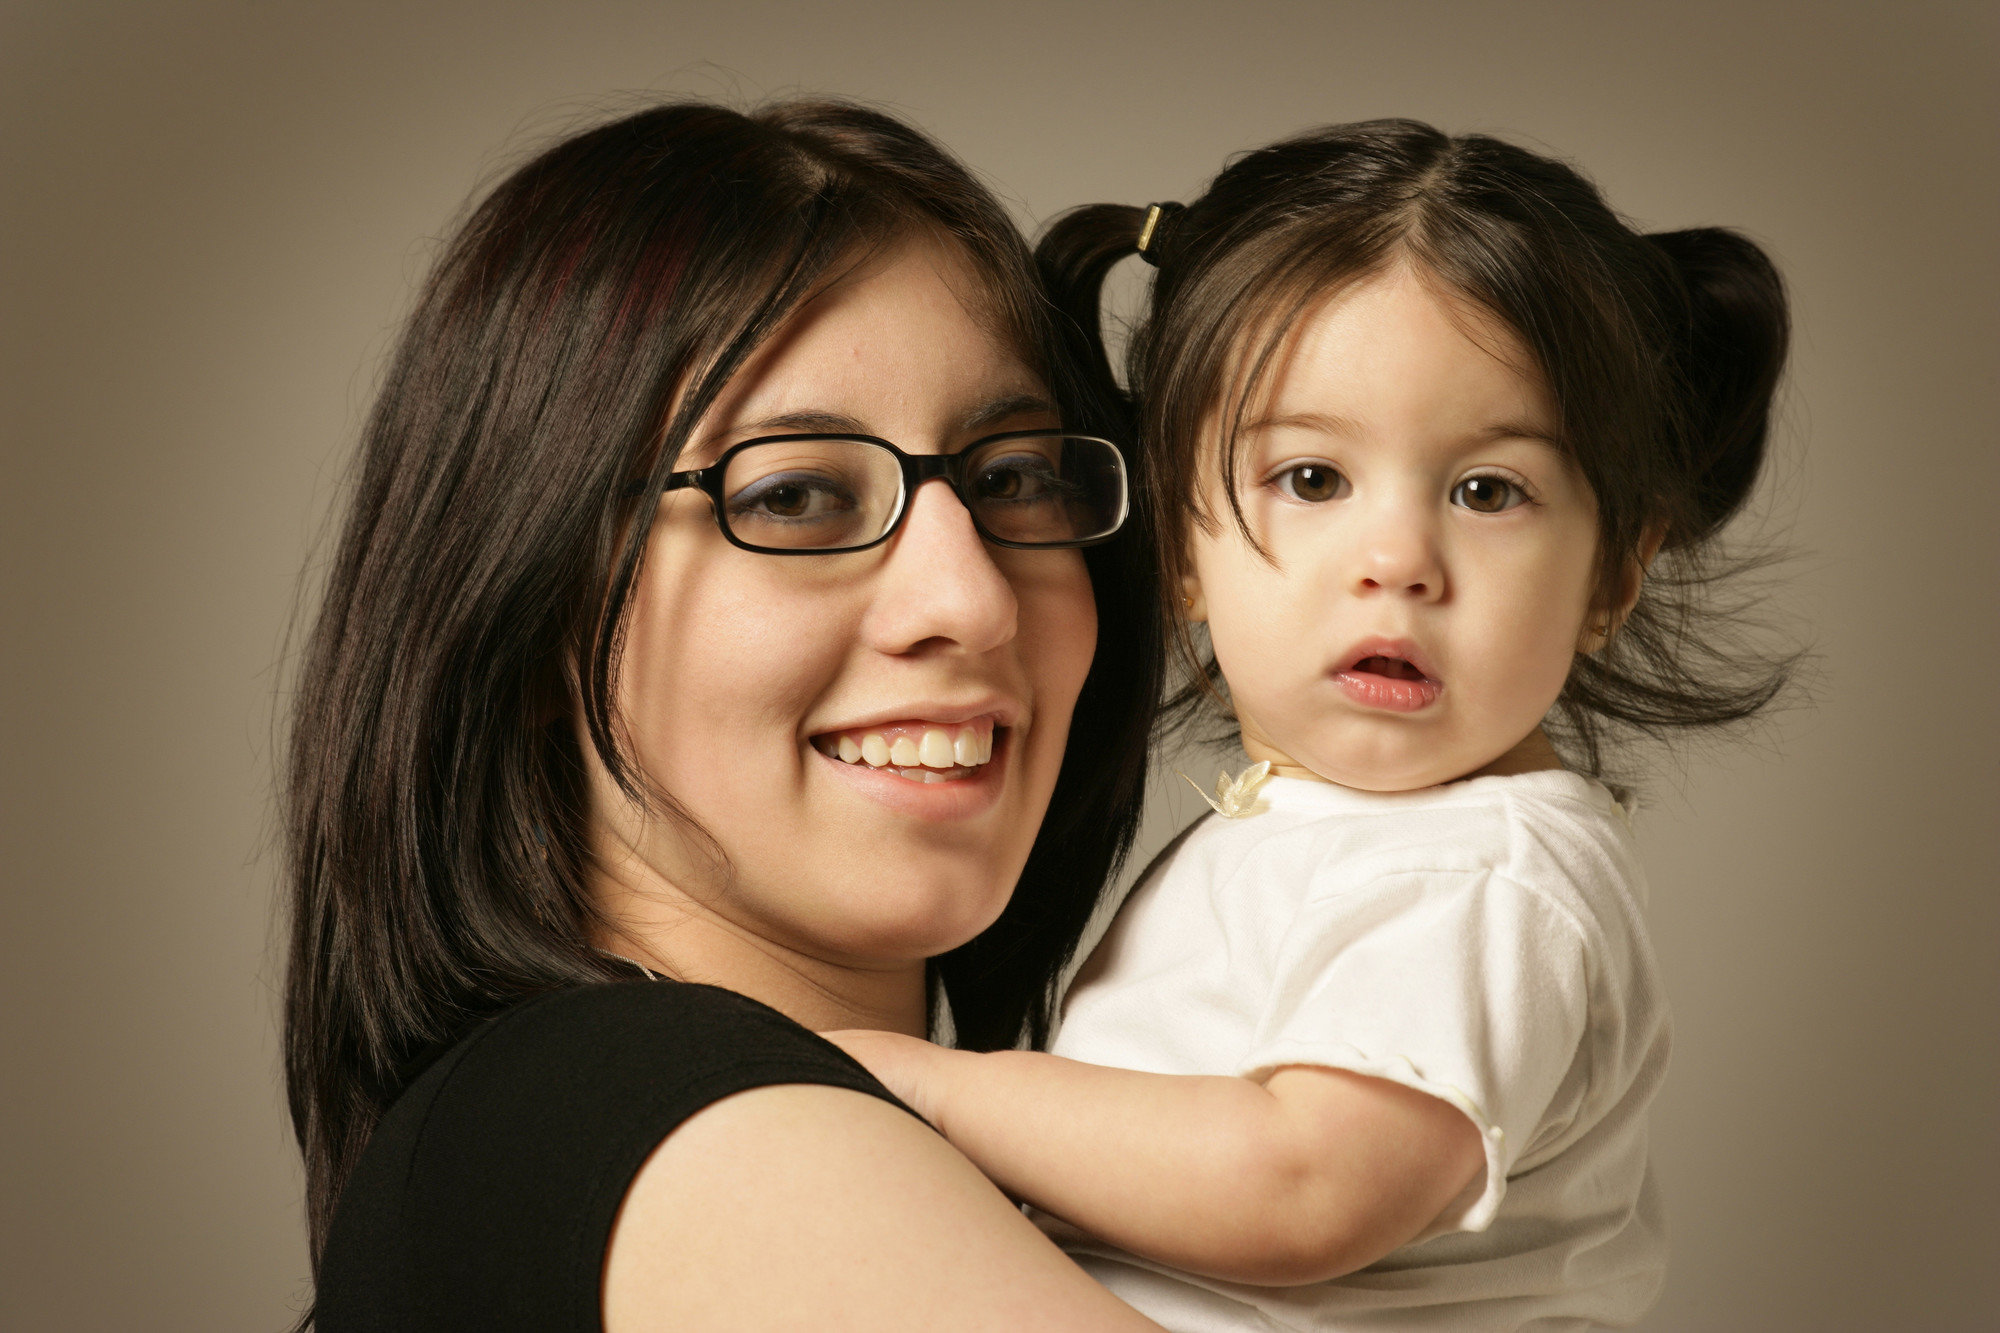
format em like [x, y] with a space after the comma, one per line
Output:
[491, 1186]
[583, 1162]
[632, 1058]
[605, 1035]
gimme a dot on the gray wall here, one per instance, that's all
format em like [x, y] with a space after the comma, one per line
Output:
[214, 214]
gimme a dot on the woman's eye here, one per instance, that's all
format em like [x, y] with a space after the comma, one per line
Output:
[1488, 495]
[1025, 479]
[1314, 483]
[794, 498]
[789, 501]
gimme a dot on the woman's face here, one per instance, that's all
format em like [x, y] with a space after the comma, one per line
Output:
[746, 677]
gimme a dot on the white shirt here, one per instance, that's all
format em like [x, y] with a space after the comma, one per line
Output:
[1480, 941]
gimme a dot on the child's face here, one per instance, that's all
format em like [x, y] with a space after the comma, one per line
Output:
[1433, 554]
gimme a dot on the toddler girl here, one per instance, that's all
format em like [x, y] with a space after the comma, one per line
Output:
[1373, 1048]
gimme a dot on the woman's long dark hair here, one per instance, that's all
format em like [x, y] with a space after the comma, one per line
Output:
[1662, 354]
[592, 306]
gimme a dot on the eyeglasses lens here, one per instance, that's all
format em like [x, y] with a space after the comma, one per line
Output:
[811, 495]
[834, 495]
[1053, 490]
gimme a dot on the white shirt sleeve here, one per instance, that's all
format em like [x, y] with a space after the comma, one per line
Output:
[1462, 984]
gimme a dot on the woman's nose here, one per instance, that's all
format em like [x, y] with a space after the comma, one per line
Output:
[940, 585]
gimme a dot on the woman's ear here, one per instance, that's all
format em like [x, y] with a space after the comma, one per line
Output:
[1606, 618]
[1194, 606]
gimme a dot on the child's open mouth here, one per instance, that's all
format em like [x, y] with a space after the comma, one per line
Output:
[1395, 668]
[1387, 677]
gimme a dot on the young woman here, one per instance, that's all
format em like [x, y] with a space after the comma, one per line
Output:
[719, 648]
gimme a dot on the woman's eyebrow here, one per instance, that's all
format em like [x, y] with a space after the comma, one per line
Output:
[702, 452]
[820, 421]
[815, 421]
[809, 420]
[1012, 405]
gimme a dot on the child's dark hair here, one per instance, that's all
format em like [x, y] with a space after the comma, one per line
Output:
[1661, 354]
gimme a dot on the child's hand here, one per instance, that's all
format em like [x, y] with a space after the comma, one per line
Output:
[907, 1066]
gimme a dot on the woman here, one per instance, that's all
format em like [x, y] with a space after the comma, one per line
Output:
[652, 652]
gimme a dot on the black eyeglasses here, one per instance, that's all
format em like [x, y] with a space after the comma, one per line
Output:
[820, 494]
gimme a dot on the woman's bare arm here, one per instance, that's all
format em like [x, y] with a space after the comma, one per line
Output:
[804, 1206]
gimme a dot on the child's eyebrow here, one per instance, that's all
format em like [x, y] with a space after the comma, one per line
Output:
[1330, 423]
[1327, 423]
[1517, 430]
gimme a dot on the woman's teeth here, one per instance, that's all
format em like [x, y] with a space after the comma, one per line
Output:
[920, 753]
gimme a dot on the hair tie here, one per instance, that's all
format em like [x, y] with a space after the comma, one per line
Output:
[1149, 231]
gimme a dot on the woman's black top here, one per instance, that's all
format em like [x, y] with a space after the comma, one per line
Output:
[486, 1195]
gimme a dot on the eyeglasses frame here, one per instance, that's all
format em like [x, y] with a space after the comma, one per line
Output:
[917, 469]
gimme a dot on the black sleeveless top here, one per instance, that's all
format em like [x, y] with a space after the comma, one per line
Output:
[485, 1197]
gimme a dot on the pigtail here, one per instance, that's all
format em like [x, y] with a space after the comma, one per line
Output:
[1732, 350]
[1685, 657]
[1074, 255]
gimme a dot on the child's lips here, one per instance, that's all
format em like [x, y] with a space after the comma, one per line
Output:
[1391, 694]
[1388, 674]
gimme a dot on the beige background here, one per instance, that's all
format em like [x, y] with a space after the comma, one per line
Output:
[215, 213]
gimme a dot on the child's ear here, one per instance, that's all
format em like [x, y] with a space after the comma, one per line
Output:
[1194, 606]
[1605, 619]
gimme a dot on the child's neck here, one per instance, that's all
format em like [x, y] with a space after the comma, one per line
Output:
[1531, 754]
[1534, 754]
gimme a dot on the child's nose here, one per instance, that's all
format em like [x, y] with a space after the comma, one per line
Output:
[1399, 556]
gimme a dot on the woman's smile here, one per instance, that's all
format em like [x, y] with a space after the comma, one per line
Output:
[919, 751]
[931, 764]
[921, 770]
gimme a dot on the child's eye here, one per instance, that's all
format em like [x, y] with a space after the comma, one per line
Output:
[1314, 483]
[1488, 495]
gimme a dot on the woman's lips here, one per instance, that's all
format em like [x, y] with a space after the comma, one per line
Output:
[941, 793]
[916, 751]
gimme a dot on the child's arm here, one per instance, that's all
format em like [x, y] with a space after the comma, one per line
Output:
[1304, 1176]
